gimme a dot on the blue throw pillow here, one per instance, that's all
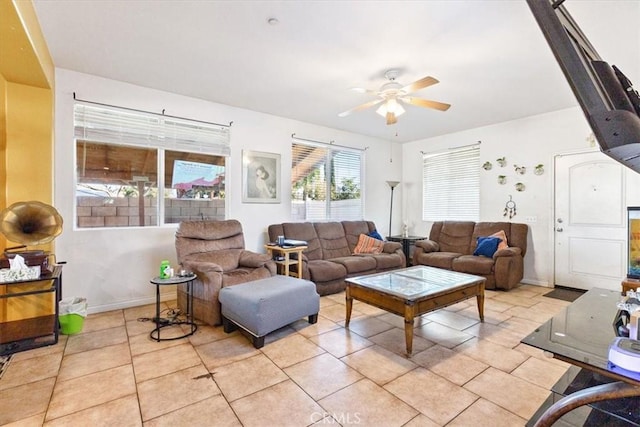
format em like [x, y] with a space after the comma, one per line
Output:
[375, 235]
[487, 246]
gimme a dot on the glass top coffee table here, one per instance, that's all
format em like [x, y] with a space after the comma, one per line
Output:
[413, 291]
[580, 334]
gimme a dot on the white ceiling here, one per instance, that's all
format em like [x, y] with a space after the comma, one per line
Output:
[490, 56]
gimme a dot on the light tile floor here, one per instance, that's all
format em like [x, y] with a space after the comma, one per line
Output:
[462, 373]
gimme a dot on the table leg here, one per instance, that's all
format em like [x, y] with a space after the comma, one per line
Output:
[587, 396]
[409, 315]
[300, 264]
[480, 299]
[349, 305]
[190, 305]
[157, 319]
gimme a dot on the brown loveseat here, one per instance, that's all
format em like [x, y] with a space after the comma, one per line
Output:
[214, 251]
[329, 257]
[451, 245]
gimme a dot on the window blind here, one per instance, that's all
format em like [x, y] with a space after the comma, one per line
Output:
[325, 183]
[109, 124]
[451, 185]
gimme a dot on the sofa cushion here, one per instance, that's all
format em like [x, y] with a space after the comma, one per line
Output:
[483, 229]
[504, 244]
[454, 236]
[368, 245]
[356, 264]
[325, 271]
[487, 246]
[303, 231]
[473, 265]
[375, 235]
[332, 239]
[438, 259]
[388, 261]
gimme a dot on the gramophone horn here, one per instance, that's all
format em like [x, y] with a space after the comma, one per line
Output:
[30, 223]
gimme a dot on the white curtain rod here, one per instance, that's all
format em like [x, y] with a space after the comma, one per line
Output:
[330, 143]
[452, 148]
[149, 112]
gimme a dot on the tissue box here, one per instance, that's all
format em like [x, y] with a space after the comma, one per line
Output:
[27, 273]
[32, 258]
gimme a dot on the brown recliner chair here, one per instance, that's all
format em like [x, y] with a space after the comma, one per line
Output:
[214, 251]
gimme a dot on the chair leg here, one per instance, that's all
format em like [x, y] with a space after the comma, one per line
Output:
[228, 326]
[313, 318]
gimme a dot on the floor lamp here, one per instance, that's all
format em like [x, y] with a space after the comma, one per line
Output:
[393, 185]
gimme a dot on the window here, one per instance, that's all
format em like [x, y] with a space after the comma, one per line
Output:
[326, 183]
[123, 158]
[451, 185]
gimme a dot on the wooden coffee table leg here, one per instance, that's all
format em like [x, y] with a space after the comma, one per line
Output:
[409, 315]
[349, 304]
[480, 298]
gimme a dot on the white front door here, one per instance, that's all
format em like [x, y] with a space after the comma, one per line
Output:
[590, 221]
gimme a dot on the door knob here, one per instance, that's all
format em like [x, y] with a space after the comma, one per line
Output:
[559, 229]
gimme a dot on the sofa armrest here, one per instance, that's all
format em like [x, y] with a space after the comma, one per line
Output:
[391, 247]
[428, 245]
[201, 266]
[253, 259]
[510, 251]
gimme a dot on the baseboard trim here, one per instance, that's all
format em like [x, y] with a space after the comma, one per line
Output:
[536, 283]
[119, 305]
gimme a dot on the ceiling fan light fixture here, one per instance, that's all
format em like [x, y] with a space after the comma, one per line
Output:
[391, 106]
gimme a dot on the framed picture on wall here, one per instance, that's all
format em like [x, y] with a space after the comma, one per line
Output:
[260, 177]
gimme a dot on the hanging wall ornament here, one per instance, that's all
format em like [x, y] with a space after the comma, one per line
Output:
[502, 161]
[487, 166]
[510, 208]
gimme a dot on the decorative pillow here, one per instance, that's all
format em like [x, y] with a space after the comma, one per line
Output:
[368, 245]
[503, 239]
[375, 235]
[486, 246]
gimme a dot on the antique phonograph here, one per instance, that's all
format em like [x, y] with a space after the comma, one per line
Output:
[29, 223]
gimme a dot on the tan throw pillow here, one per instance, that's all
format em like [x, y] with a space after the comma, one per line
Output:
[503, 239]
[368, 245]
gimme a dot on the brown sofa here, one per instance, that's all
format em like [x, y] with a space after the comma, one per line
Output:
[329, 257]
[214, 251]
[451, 245]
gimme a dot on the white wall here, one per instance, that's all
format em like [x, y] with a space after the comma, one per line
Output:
[527, 142]
[112, 267]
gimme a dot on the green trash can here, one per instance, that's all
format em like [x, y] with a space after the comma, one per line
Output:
[72, 313]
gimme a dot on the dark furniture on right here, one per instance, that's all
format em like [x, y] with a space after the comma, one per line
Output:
[580, 334]
[451, 245]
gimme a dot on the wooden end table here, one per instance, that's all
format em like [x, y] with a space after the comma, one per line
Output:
[286, 262]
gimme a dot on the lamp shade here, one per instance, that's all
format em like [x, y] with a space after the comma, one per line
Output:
[393, 184]
[390, 106]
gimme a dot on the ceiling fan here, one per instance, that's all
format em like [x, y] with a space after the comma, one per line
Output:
[392, 94]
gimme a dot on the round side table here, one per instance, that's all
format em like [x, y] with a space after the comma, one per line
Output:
[161, 323]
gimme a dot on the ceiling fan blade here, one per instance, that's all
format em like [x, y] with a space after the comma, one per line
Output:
[420, 84]
[426, 103]
[360, 107]
[391, 118]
